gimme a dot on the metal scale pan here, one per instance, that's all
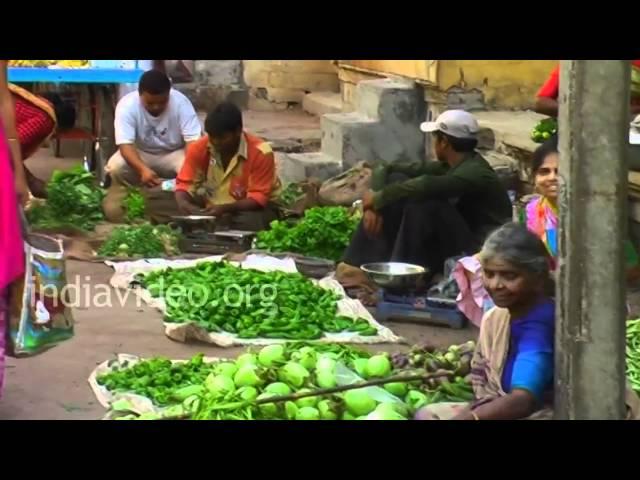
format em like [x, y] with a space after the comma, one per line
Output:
[403, 299]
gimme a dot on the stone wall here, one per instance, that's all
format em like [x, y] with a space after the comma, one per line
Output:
[279, 84]
[216, 81]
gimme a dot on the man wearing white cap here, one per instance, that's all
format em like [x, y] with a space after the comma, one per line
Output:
[426, 212]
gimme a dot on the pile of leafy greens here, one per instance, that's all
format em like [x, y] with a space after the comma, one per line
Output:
[146, 241]
[73, 200]
[134, 205]
[323, 232]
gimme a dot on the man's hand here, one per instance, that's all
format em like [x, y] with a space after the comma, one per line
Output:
[188, 208]
[367, 200]
[150, 178]
[215, 210]
[372, 222]
[186, 205]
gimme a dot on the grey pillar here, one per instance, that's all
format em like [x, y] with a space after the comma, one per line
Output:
[590, 328]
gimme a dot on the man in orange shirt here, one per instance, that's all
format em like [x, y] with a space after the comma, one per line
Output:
[547, 97]
[229, 173]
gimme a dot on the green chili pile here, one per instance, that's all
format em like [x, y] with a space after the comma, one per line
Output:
[221, 297]
[323, 232]
[633, 353]
[156, 378]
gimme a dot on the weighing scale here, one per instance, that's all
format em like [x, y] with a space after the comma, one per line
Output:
[402, 299]
[200, 235]
[218, 243]
[419, 308]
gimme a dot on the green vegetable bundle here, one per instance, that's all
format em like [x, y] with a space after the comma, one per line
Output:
[134, 205]
[323, 232]
[157, 379]
[74, 200]
[633, 353]
[144, 240]
[290, 194]
[221, 297]
[544, 129]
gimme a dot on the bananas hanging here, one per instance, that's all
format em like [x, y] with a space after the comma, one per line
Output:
[49, 63]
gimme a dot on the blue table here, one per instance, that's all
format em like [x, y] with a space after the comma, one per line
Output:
[74, 75]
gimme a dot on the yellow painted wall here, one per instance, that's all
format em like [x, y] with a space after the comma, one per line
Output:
[508, 84]
[505, 83]
[425, 70]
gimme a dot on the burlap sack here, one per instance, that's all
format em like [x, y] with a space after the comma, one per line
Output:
[347, 187]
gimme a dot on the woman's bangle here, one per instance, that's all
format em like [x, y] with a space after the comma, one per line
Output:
[475, 415]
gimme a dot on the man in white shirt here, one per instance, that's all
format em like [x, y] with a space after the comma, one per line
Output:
[153, 126]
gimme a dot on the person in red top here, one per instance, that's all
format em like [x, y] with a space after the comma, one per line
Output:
[229, 173]
[36, 120]
[547, 97]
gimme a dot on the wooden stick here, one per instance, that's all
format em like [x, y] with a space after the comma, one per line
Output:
[343, 388]
[329, 391]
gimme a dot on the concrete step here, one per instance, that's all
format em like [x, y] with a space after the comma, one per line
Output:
[321, 103]
[390, 100]
[296, 167]
[344, 136]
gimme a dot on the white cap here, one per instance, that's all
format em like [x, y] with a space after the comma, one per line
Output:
[457, 123]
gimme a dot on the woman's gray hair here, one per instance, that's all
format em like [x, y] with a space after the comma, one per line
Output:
[515, 244]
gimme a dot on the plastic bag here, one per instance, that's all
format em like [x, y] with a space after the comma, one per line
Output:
[40, 316]
[345, 376]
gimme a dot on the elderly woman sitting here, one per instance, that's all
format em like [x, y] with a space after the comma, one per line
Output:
[512, 367]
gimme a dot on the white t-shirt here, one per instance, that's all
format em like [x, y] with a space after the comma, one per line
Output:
[167, 133]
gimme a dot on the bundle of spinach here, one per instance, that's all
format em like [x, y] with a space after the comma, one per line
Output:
[290, 194]
[146, 241]
[323, 232]
[134, 205]
[74, 200]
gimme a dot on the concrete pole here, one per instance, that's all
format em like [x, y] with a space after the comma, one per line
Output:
[590, 328]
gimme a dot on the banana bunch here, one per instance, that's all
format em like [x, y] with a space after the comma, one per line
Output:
[49, 63]
[72, 63]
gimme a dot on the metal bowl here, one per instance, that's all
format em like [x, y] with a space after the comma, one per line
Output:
[394, 275]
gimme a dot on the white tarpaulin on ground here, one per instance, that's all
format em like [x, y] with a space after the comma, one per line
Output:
[125, 273]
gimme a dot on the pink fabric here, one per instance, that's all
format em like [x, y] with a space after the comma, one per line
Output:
[472, 297]
[11, 246]
[4, 321]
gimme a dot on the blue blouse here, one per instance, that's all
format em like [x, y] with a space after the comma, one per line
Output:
[529, 364]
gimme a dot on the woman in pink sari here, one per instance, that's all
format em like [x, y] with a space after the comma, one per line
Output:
[13, 190]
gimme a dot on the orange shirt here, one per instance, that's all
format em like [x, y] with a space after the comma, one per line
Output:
[251, 173]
